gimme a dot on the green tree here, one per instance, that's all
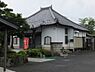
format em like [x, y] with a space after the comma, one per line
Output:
[14, 18]
[89, 23]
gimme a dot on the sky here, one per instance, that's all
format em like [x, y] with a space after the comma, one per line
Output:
[72, 9]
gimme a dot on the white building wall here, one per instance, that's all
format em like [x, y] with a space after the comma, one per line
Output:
[70, 36]
[56, 33]
[60, 35]
[49, 31]
[79, 34]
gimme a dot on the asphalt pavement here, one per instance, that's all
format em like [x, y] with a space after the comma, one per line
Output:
[76, 62]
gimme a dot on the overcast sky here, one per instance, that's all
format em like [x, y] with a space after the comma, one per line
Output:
[72, 9]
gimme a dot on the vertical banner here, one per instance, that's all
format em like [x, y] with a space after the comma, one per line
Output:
[26, 43]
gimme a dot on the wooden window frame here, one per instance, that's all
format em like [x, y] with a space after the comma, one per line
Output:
[16, 40]
[45, 39]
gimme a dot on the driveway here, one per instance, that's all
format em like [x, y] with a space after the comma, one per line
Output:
[77, 62]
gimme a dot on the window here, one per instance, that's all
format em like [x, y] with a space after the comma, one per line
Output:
[66, 30]
[15, 40]
[66, 39]
[47, 40]
[71, 40]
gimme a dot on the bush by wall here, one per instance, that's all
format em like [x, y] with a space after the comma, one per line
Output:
[47, 53]
[38, 52]
[34, 52]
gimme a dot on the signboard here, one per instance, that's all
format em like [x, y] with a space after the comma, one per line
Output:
[26, 43]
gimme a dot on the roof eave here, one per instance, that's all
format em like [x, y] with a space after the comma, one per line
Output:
[8, 23]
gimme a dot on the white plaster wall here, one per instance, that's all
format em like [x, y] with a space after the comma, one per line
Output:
[70, 33]
[49, 31]
[57, 34]
[80, 34]
[70, 36]
[60, 35]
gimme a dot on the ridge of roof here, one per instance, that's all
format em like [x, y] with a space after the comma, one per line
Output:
[41, 8]
[46, 7]
[33, 14]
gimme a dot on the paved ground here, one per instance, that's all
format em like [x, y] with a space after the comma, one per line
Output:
[39, 59]
[77, 62]
[7, 70]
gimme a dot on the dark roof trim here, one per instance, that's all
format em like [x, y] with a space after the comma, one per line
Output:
[63, 25]
[73, 27]
[8, 23]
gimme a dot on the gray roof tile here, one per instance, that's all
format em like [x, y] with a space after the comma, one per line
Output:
[47, 16]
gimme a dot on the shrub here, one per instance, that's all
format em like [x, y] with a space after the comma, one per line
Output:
[47, 53]
[34, 52]
[17, 58]
[38, 52]
[22, 57]
[11, 54]
[22, 53]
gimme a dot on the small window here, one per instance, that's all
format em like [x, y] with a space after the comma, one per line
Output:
[47, 40]
[15, 39]
[71, 40]
[66, 30]
[66, 39]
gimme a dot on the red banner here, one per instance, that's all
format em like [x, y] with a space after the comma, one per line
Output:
[26, 43]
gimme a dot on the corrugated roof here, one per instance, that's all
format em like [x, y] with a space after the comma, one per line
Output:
[47, 16]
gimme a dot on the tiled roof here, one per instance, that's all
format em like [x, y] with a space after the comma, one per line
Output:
[5, 23]
[47, 16]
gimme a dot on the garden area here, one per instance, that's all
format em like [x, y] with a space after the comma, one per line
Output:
[18, 58]
[14, 58]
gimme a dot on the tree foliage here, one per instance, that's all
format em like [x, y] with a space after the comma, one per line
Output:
[14, 18]
[7, 13]
[89, 23]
